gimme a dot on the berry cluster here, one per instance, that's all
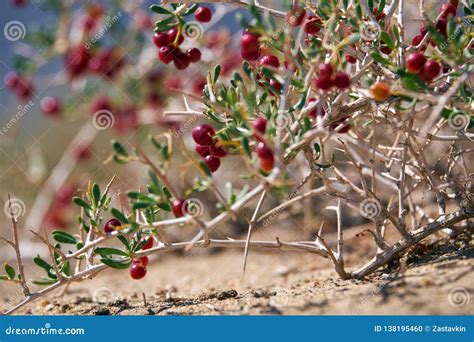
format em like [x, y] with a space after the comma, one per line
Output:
[427, 70]
[446, 10]
[266, 159]
[22, 87]
[169, 42]
[327, 78]
[208, 147]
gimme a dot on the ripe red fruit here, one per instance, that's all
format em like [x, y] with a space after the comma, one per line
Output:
[276, 85]
[137, 271]
[212, 163]
[202, 134]
[380, 91]
[266, 164]
[203, 14]
[313, 25]
[415, 62]
[194, 55]
[101, 102]
[11, 80]
[270, 60]
[263, 151]
[323, 83]
[149, 243]
[325, 70]
[111, 224]
[447, 9]
[24, 89]
[417, 40]
[50, 105]
[318, 110]
[430, 70]
[181, 61]
[249, 46]
[160, 39]
[342, 80]
[165, 54]
[442, 26]
[423, 28]
[172, 33]
[202, 150]
[381, 15]
[177, 208]
[216, 151]
[295, 18]
[143, 261]
[88, 24]
[260, 125]
[351, 59]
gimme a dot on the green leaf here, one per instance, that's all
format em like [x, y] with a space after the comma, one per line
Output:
[205, 168]
[160, 10]
[378, 58]
[96, 194]
[80, 202]
[120, 265]
[64, 237]
[44, 282]
[106, 251]
[119, 215]
[9, 270]
[216, 73]
[118, 148]
[385, 37]
[44, 265]
[140, 205]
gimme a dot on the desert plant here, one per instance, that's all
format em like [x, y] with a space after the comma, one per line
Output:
[331, 102]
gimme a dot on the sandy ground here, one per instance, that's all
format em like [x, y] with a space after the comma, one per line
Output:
[434, 280]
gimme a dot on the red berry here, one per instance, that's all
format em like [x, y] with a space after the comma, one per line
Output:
[194, 55]
[430, 70]
[296, 17]
[415, 62]
[160, 39]
[441, 26]
[313, 25]
[263, 151]
[50, 105]
[417, 40]
[212, 163]
[137, 271]
[269, 60]
[172, 33]
[181, 61]
[202, 150]
[325, 70]
[260, 125]
[447, 9]
[351, 59]
[11, 80]
[111, 224]
[143, 261]
[88, 24]
[323, 83]
[380, 16]
[266, 164]
[177, 207]
[423, 28]
[165, 54]
[149, 243]
[318, 110]
[101, 102]
[24, 89]
[203, 14]
[202, 134]
[276, 85]
[249, 46]
[216, 151]
[342, 80]
[385, 49]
